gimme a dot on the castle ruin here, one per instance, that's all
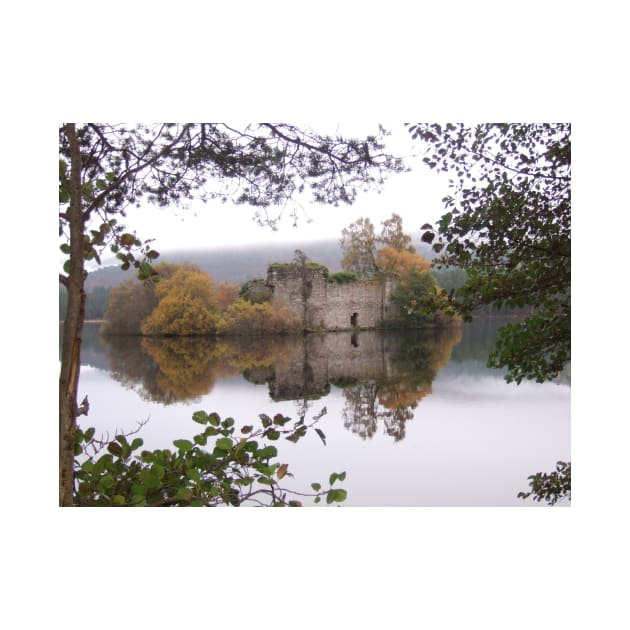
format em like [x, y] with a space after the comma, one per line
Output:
[325, 305]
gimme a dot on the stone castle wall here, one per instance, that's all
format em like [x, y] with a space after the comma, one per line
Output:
[324, 305]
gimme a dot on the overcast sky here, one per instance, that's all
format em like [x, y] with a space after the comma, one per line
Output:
[416, 196]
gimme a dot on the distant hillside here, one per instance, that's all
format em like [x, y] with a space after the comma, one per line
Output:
[237, 265]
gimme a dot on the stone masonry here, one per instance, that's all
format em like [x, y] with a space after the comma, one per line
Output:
[324, 305]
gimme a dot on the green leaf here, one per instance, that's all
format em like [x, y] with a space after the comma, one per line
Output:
[183, 494]
[336, 495]
[145, 271]
[272, 435]
[138, 490]
[224, 443]
[201, 417]
[265, 470]
[266, 420]
[251, 446]
[267, 452]
[183, 445]
[316, 486]
[193, 474]
[150, 480]
[107, 481]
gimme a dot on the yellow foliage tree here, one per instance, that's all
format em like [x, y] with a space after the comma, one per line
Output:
[187, 305]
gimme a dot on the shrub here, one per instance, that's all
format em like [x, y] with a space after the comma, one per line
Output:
[245, 318]
[341, 277]
[256, 291]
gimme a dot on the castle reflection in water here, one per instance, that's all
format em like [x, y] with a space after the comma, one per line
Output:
[383, 375]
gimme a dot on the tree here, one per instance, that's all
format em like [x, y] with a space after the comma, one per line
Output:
[360, 245]
[416, 288]
[225, 294]
[256, 291]
[508, 225]
[187, 305]
[402, 261]
[131, 302]
[412, 292]
[105, 168]
[392, 235]
[238, 470]
[550, 487]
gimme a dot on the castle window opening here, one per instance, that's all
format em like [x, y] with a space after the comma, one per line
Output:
[354, 319]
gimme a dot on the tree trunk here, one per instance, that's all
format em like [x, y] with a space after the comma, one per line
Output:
[72, 330]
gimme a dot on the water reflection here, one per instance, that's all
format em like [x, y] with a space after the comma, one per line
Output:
[472, 440]
[383, 376]
[413, 364]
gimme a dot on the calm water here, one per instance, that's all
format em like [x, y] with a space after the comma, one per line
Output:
[415, 419]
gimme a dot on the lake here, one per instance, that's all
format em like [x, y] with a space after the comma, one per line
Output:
[413, 418]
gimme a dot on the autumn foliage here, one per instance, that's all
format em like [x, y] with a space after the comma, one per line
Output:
[187, 302]
[187, 305]
[401, 261]
[245, 318]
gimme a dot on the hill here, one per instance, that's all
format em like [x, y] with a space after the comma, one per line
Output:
[238, 264]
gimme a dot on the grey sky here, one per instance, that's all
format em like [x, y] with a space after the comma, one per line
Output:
[416, 196]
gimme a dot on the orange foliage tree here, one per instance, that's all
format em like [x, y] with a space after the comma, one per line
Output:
[401, 261]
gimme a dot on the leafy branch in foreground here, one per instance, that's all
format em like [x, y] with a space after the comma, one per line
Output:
[237, 469]
[552, 487]
[508, 226]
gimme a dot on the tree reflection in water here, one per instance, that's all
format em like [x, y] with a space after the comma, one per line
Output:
[415, 362]
[383, 375]
[178, 369]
